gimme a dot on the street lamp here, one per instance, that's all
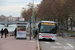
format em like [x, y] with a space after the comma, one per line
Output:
[32, 19]
[33, 15]
[33, 22]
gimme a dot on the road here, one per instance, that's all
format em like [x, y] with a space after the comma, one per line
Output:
[59, 44]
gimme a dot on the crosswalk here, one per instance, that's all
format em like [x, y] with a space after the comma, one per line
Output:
[47, 42]
[59, 45]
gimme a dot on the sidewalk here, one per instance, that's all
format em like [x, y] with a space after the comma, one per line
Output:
[10, 43]
[70, 37]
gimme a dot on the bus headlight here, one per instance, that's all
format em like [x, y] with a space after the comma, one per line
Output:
[40, 34]
[54, 35]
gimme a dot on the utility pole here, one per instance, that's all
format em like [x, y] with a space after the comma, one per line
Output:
[33, 23]
[5, 21]
[30, 28]
[33, 11]
[32, 19]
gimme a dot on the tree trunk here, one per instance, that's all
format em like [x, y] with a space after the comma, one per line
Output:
[71, 25]
[67, 23]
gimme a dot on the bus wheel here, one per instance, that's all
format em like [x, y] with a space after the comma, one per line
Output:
[53, 40]
[39, 39]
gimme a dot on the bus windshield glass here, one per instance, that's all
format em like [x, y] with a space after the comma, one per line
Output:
[47, 28]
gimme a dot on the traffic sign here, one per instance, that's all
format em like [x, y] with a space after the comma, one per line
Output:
[31, 19]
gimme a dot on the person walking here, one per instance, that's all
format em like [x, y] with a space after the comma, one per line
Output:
[15, 32]
[6, 32]
[2, 31]
[34, 31]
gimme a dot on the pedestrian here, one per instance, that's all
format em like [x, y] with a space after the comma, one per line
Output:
[15, 32]
[34, 31]
[2, 31]
[6, 32]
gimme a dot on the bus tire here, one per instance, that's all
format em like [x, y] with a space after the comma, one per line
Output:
[53, 40]
[39, 39]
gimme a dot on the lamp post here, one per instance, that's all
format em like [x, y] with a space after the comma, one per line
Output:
[32, 19]
[33, 22]
[5, 21]
[33, 15]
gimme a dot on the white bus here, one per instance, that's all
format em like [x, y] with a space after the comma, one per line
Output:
[47, 30]
[21, 30]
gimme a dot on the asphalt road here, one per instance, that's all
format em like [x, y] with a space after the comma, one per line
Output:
[59, 44]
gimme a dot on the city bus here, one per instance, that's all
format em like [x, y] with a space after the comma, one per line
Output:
[47, 30]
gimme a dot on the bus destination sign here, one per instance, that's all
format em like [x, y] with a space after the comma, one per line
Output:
[48, 23]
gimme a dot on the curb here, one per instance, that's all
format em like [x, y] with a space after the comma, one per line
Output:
[38, 46]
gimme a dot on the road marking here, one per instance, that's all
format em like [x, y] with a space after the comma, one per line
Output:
[70, 45]
[32, 41]
[57, 43]
[47, 42]
[67, 47]
[56, 47]
[64, 47]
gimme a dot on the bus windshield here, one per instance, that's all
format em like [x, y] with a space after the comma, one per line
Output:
[47, 28]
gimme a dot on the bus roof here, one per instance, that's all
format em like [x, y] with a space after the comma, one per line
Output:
[49, 21]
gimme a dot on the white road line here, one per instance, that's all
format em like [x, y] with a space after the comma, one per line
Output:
[70, 45]
[67, 47]
[47, 42]
[57, 43]
[56, 47]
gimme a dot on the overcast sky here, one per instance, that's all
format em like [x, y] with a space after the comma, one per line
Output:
[14, 7]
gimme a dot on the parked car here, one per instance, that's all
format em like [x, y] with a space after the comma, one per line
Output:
[72, 30]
